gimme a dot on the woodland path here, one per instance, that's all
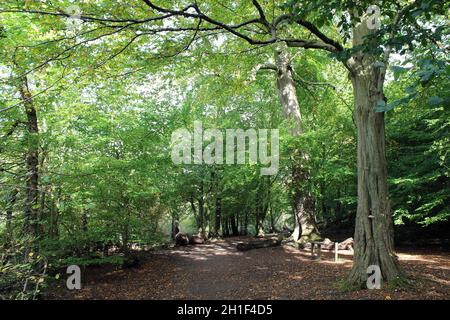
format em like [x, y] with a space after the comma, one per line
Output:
[219, 271]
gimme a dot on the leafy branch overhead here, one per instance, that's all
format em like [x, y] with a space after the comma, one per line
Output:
[348, 98]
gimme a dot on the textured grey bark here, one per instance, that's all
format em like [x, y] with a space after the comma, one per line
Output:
[218, 215]
[305, 226]
[32, 160]
[374, 235]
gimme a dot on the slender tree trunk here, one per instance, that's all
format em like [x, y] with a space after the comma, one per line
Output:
[125, 231]
[218, 216]
[374, 235]
[42, 213]
[84, 221]
[10, 200]
[259, 227]
[305, 226]
[258, 212]
[175, 224]
[54, 215]
[262, 206]
[201, 213]
[245, 226]
[125, 239]
[32, 160]
[323, 199]
[273, 228]
[338, 208]
[194, 210]
[234, 228]
[226, 230]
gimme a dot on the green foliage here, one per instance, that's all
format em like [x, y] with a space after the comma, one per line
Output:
[22, 272]
[109, 95]
[400, 283]
[420, 164]
[418, 143]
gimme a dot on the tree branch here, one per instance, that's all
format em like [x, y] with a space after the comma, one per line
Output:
[312, 28]
[262, 16]
[309, 44]
[312, 83]
[85, 17]
[400, 14]
[267, 66]
[200, 15]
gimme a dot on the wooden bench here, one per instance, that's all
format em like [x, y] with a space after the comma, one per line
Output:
[319, 249]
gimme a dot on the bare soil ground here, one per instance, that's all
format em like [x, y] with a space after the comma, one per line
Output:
[219, 271]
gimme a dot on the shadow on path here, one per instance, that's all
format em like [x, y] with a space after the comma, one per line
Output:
[219, 271]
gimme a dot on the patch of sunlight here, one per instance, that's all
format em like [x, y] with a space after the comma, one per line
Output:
[296, 278]
[438, 280]
[262, 268]
[439, 267]
[416, 257]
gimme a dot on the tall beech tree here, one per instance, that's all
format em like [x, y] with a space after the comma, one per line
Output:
[32, 159]
[362, 40]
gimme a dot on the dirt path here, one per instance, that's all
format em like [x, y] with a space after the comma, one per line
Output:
[219, 271]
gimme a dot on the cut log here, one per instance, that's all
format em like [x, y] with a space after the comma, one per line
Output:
[196, 239]
[328, 244]
[347, 244]
[259, 243]
[181, 239]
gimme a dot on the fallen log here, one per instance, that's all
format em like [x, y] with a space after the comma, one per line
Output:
[196, 239]
[328, 244]
[347, 244]
[181, 239]
[257, 244]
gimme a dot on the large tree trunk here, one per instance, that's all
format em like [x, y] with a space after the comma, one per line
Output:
[305, 226]
[374, 235]
[32, 160]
